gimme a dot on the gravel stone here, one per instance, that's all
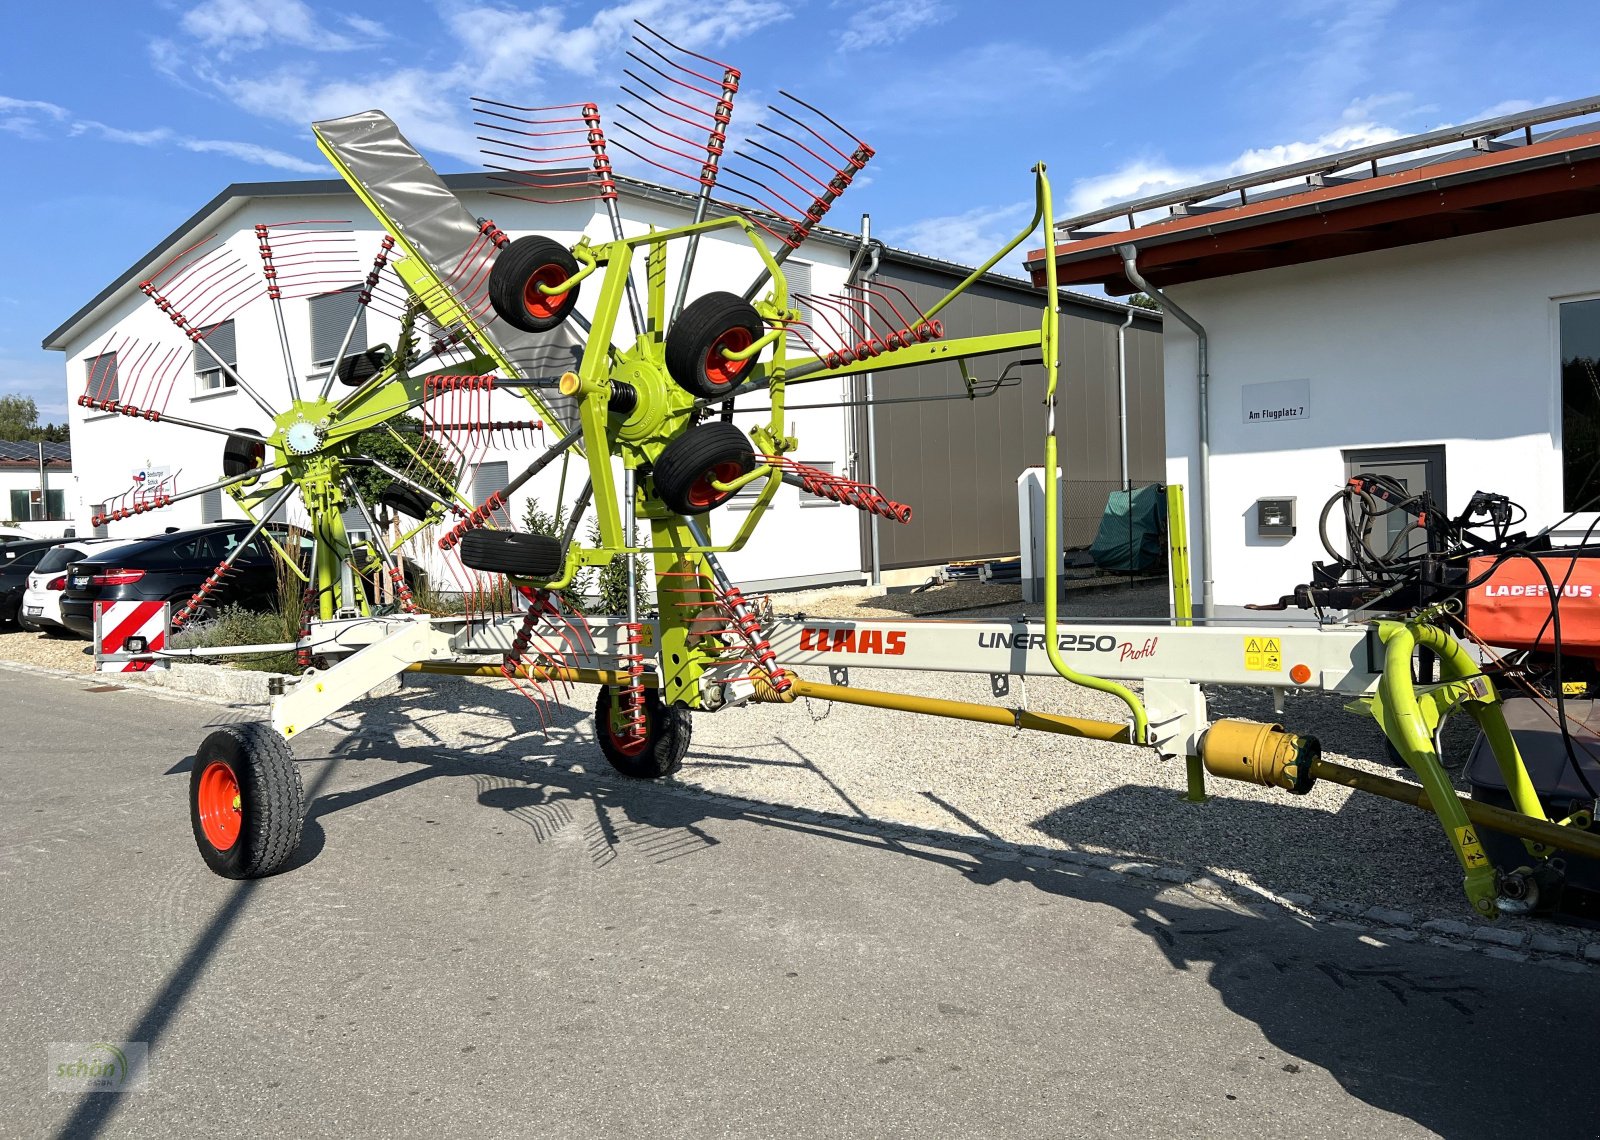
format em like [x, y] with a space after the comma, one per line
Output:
[1500, 936]
[1295, 898]
[1391, 917]
[1396, 934]
[41, 649]
[1505, 953]
[1591, 952]
[1549, 944]
[1448, 926]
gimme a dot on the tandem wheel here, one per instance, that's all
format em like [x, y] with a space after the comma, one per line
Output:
[246, 802]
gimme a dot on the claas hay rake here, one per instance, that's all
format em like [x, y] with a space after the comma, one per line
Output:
[636, 390]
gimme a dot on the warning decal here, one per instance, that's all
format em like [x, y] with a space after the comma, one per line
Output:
[1471, 850]
[1263, 654]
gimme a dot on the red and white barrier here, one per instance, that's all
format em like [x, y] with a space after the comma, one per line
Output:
[116, 623]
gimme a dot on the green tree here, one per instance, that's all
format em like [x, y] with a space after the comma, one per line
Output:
[19, 420]
[435, 470]
[612, 583]
[1143, 301]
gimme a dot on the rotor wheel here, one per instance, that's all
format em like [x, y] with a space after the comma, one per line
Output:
[687, 466]
[519, 271]
[697, 339]
[240, 455]
[536, 556]
[659, 752]
[246, 802]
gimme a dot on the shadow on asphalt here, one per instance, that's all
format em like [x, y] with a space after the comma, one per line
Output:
[1462, 1045]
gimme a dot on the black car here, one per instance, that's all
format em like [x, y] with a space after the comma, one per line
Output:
[17, 561]
[172, 567]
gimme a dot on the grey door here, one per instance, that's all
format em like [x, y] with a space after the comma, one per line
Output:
[1416, 469]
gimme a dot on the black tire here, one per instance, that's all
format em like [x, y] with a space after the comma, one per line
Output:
[686, 466]
[520, 269]
[240, 455]
[356, 370]
[696, 340]
[510, 552]
[253, 765]
[399, 497]
[666, 740]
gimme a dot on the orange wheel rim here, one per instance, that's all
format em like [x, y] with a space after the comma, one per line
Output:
[544, 304]
[220, 816]
[625, 743]
[703, 494]
[719, 369]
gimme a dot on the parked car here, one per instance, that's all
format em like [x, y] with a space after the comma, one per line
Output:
[17, 560]
[172, 567]
[41, 597]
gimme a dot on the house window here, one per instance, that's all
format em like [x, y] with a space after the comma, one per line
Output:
[219, 347]
[331, 315]
[19, 505]
[807, 498]
[492, 477]
[798, 276]
[100, 377]
[1580, 404]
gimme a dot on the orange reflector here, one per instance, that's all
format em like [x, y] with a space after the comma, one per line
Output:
[1300, 674]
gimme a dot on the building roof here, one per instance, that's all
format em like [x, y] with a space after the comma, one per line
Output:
[25, 453]
[240, 192]
[1417, 189]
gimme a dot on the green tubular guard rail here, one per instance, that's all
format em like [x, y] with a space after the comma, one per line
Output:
[1409, 718]
[1052, 490]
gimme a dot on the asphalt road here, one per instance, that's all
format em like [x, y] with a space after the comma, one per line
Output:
[471, 946]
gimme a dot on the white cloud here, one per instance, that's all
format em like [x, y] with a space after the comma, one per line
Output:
[73, 127]
[969, 238]
[522, 55]
[1146, 176]
[886, 22]
[228, 27]
[25, 117]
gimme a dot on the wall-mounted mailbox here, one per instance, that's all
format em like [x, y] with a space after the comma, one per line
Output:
[1275, 518]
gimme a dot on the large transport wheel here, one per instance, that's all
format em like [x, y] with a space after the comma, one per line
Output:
[511, 552]
[521, 268]
[666, 736]
[406, 500]
[240, 455]
[246, 804]
[696, 340]
[686, 467]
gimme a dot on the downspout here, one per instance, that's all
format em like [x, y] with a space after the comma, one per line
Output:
[1122, 394]
[875, 252]
[1129, 254]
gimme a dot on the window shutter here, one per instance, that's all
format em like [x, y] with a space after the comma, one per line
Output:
[798, 276]
[330, 317]
[492, 477]
[211, 506]
[100, 372]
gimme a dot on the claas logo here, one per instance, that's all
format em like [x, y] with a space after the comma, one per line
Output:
[890, 643]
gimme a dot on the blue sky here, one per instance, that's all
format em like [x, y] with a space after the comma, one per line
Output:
[120, 118]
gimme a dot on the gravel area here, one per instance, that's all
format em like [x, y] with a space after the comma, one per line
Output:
[978, 779]
[49, 652]
[1019, 787]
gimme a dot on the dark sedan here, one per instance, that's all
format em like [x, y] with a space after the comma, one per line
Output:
[17, 560]
[171, 567]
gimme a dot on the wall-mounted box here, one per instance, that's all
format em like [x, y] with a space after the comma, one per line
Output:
[1275, 518]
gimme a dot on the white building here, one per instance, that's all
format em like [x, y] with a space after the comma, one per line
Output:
[122, 457]
[804, 541]
[1408, 309]
[35, 486]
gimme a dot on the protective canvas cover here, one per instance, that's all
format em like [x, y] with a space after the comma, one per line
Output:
[1132, 531]
[427, 215]
[1511, 607]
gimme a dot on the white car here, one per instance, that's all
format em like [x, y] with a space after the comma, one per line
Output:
[41, 600]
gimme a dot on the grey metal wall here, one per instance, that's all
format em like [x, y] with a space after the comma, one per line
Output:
[957, 461]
